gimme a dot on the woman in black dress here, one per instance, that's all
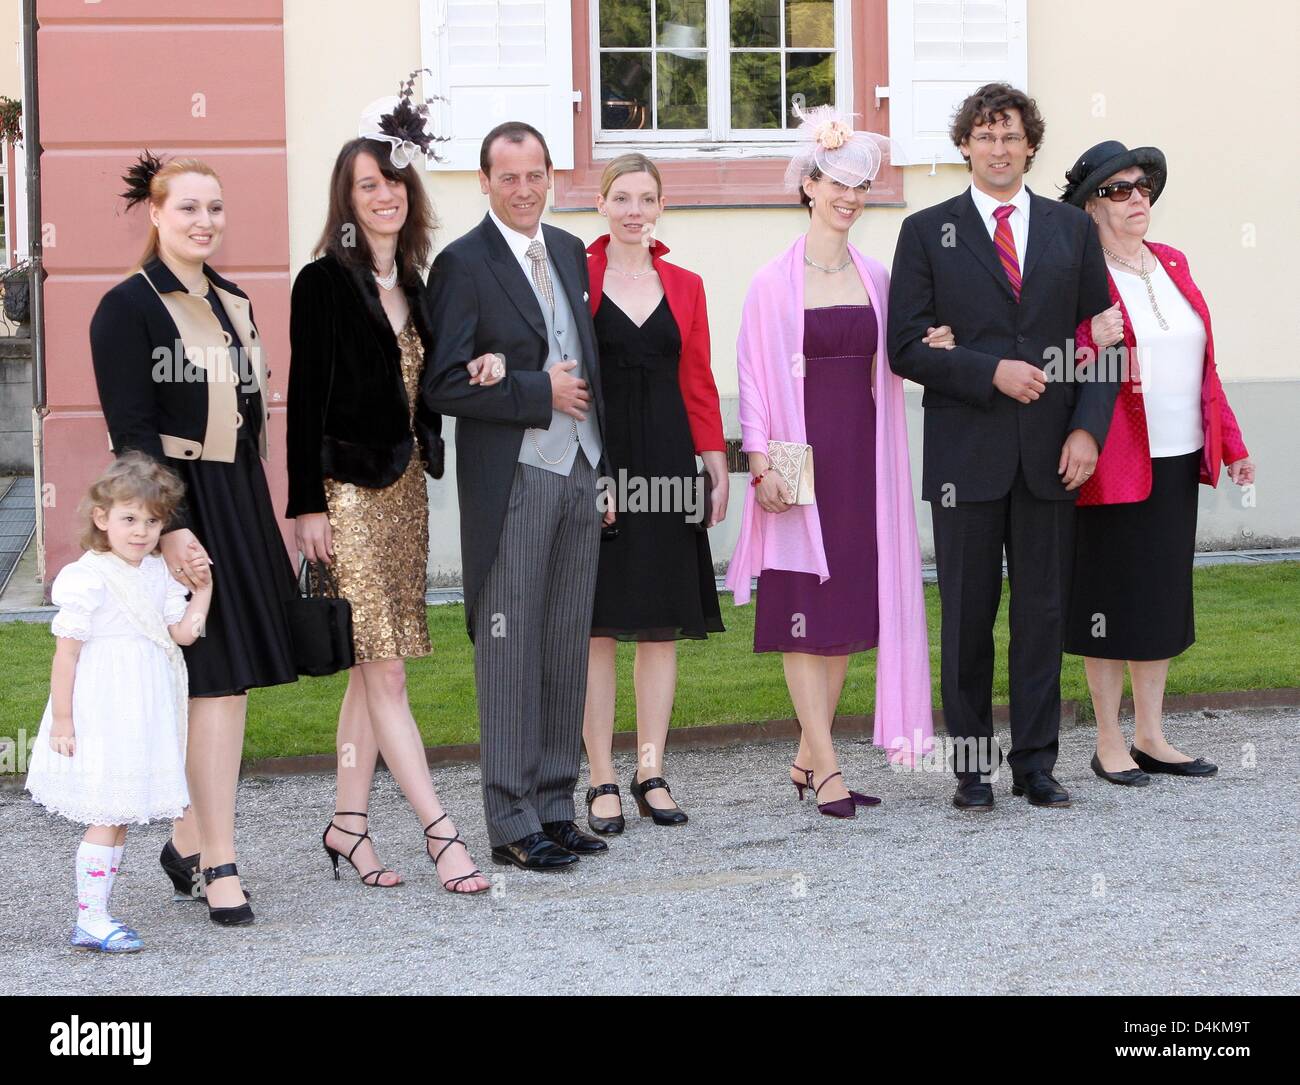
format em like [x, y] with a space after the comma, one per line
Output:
[656, 583]
[203, 415]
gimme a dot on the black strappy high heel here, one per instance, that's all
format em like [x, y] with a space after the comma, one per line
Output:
[335, 854]
[451, 884]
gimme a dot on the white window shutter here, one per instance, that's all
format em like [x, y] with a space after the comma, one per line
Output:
[499, 60]
[940, 51]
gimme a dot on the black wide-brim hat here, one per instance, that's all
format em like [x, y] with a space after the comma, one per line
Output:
[1107, 159]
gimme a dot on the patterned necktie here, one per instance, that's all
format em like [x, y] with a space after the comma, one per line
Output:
[541, 274]
[1005, 243]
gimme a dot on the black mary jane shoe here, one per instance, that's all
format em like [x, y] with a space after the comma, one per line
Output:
[1125, 777]
[675, 816]
[183, 870]
[1199, 767]
[597, 824]
[239, 916]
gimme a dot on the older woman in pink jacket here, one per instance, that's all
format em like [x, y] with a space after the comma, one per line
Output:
[841, 573]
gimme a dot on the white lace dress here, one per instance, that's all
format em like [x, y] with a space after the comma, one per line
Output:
[128, 766]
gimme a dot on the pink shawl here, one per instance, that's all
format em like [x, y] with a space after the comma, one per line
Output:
[770, 361]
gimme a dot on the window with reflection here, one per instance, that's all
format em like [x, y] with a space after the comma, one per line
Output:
[715, 70]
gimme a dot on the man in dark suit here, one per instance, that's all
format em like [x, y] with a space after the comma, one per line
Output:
[527, 456]
[1010, 436]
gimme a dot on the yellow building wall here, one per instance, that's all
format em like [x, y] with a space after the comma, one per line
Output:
[11, 84]
[1214, 92]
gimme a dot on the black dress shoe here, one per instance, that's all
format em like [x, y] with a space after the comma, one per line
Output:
[533, 852]
[1127, 777]
[1041, 789]
[973, 794]
[596, 823]
[571, 838]
[1199, 767]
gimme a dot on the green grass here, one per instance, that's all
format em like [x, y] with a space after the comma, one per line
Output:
[1248, 637]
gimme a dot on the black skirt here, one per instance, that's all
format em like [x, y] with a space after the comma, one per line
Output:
[1131, 596]
[656, 579]
[246, 640]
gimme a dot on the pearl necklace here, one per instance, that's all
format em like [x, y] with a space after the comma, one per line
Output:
[822, 267]
[387, 281]
[1146, 279]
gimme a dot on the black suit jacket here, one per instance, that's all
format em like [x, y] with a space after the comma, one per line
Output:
[480, 301]
[348, 415]
[946, 271]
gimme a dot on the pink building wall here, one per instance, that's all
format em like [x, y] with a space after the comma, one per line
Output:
[113, 78]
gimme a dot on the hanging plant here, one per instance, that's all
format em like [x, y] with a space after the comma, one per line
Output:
[11, 120]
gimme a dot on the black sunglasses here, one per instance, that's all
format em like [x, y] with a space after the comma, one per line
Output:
[1122, 191]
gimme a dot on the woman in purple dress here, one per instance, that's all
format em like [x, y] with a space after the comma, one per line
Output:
[819, 564]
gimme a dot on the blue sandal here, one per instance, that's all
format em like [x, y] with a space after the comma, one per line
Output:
[119, 940]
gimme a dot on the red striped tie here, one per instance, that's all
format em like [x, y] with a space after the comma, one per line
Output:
[1005, 243]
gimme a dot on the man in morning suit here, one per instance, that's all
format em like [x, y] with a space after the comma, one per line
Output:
[527, 452]
[1007, 445]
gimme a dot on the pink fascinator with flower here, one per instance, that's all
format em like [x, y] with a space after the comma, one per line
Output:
[828, 142]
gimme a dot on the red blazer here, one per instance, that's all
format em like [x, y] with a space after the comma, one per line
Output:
[685, 292]
[1123, 471]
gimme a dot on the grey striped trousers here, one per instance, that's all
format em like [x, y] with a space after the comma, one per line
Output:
[532, 630]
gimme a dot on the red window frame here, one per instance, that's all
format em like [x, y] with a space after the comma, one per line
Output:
[734, 182]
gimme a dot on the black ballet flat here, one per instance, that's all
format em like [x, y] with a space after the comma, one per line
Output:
[605, 826]
[1126, 777]
[1199, 767]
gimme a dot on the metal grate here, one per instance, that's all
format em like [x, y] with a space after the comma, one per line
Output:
[17, 523]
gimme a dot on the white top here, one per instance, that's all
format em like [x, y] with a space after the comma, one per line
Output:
[1019, 219]
[519, 243]
[128, 766]
[1171, 363]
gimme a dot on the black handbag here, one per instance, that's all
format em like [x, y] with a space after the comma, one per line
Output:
[320, 623]
[705, 489]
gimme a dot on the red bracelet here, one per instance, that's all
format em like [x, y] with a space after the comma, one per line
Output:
[759, 477]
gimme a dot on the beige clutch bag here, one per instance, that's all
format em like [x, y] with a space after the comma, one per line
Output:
[794, 463]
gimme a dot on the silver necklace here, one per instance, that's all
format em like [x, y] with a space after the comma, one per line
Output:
[822, 267]
[1146, 279]
[386, 281]
[632, 274]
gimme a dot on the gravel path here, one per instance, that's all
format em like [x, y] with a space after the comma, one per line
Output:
[1184, 888]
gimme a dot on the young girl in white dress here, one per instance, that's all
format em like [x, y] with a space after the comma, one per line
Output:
[111, 748]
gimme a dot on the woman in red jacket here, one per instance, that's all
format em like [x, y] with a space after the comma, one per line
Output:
[1172, 427]
[656, 582]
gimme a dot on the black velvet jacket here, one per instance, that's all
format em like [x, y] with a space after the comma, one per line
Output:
[348, 411]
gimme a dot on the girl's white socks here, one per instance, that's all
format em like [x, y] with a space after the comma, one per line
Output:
[94, 874]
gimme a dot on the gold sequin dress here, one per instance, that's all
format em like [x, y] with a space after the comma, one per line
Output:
[381, 545]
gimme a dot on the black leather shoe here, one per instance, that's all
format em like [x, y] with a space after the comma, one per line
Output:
[571, 838]
[1127, 777]
[973, 794]
[596, 823]
[1041, 789]
[675, 815]
[239, 916]
[533, 852]
[1199, 767]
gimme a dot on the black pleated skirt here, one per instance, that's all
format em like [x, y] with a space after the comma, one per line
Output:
[246, 642]
[1131, 595]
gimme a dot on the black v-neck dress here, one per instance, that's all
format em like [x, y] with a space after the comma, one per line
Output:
[656, 579]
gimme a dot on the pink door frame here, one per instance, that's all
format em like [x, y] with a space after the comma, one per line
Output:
[114, 78]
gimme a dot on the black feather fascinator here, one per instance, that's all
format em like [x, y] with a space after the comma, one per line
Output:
[403, 122]
[139, 177]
